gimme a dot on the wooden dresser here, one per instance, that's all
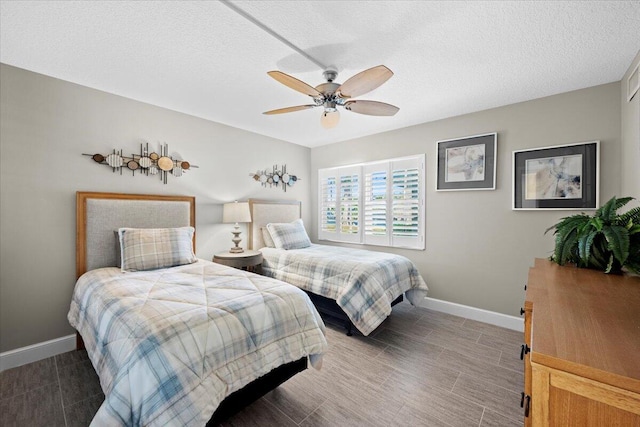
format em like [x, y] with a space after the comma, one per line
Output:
[582, 347]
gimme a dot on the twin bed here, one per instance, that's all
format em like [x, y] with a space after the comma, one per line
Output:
[357, 287]
[185, 344]
[180, 341]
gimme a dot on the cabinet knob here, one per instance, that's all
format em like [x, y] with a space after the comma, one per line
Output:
[525, 286]
[524, 349]
[521, 311]
[527, 405]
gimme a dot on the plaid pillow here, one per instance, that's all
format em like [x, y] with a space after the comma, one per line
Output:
[151, 248]
[289, 235]
[266, 236]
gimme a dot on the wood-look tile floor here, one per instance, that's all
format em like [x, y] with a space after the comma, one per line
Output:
[420, 368]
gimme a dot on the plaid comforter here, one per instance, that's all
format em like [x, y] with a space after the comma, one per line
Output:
[169, 345]
[363, 283]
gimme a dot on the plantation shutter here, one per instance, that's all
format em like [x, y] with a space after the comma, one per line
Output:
[350, 204]
[407, 205]
[376, 204]
[340, 190]
[328, 204]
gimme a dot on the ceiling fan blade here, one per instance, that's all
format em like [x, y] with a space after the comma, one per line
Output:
[371, 108]
[365, 81]
[289, 109]
[294, 83]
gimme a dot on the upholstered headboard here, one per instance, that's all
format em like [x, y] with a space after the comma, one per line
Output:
[265, 211]
[99, 215]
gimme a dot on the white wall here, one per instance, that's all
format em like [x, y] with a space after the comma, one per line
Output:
[46, 124]
[479, 250]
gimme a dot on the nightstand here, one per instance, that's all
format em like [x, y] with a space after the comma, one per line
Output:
[247, 260]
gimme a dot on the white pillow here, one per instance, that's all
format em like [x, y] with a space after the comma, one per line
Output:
[290, 235]
[266, 236]
[152, 248]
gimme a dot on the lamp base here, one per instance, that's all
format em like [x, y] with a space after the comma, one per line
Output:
[236, 240]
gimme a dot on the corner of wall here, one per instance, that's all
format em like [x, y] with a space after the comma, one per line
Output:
[630, 136]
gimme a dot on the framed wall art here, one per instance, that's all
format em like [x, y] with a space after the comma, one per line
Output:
[559, 177]
[467, 163]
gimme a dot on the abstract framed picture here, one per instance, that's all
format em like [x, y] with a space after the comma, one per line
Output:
[562, 177]
[467, 163]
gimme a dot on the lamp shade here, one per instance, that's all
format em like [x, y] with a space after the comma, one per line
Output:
[236, 212]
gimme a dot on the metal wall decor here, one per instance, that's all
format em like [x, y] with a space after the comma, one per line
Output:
[148, 163]
[277, 177]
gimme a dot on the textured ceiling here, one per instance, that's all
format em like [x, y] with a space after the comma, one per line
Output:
[202, 58]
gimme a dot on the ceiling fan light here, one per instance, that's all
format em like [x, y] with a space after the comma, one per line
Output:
[330, 119]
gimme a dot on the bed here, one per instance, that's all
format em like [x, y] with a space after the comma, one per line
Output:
[179, 345]
[357, 287]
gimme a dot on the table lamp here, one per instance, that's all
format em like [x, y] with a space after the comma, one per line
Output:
[236, 212]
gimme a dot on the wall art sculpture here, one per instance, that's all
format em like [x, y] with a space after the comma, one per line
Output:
[277, 177]
[148, 163]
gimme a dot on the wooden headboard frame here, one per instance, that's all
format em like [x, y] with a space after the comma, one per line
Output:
[156, 218]
[265, 211]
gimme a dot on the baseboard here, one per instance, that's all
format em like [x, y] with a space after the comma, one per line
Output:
[32, 353]
[498, 319]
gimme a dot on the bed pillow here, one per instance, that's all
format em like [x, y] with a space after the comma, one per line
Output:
[151, 248]
[290, 235]
[266, 236]
[118, 250]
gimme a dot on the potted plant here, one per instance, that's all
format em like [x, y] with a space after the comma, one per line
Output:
[606, 241]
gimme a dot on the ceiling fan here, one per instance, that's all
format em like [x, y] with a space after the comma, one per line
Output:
[331, 95]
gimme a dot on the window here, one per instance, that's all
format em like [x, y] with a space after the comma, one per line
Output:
[328, 202]
[377, 203]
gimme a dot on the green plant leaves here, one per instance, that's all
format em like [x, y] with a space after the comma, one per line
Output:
[607, 210]
[618, 240]
[596, 223]
[610, 265]
[633, 262]
[632, 216]
[599, 256]
[606, 241]
[567, 232]
[622, 201]
[569, 223]
[584, 246]
[564, 247]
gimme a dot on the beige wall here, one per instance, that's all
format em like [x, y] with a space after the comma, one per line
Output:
[45, 126]
[630, 138]
[479, 250]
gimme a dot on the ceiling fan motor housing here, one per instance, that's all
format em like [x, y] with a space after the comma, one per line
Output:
[328, 91]
[330, 75]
